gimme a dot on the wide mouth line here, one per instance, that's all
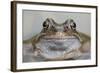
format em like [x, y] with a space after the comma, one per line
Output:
[57, 37]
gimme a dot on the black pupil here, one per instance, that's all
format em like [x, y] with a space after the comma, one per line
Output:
[74, 25]
[45, 25]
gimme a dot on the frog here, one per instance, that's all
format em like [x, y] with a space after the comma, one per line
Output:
[59, 41]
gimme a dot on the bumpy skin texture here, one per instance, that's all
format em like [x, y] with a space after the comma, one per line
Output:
[53, 29]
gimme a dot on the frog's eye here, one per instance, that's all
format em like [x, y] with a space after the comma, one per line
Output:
[73, 26]
[45, 24]
[48, 23]
[65, 24]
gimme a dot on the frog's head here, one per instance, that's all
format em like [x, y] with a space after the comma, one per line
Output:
[50, 25]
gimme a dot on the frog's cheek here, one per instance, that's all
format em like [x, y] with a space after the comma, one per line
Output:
[78, 36]
[86, 47]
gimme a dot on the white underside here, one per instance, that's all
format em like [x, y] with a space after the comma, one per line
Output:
[63, 45]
